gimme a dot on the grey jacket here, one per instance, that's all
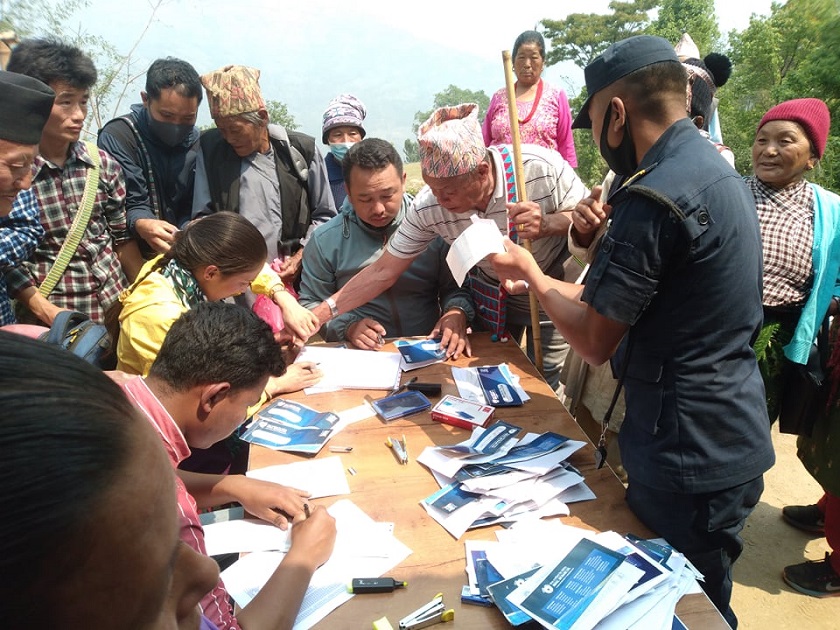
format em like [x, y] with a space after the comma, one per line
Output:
[345, 245]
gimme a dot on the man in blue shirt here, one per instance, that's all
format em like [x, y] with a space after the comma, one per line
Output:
[25, 106]
[674, 293]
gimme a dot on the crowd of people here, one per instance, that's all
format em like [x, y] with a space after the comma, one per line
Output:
[172, 236]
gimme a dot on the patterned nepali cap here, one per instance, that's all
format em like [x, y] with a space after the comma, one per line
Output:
[451, 143]
[233, 90]
[343, 110]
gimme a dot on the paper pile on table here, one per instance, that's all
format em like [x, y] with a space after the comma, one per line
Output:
[574, 579]
[495, 477]
[362, 547]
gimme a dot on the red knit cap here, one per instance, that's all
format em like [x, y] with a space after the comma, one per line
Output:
[811, 113]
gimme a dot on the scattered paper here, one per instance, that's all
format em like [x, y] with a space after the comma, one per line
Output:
[320, 477]
[358, 537]
[244, 536]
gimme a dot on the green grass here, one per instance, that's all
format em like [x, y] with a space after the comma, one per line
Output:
[413, 178]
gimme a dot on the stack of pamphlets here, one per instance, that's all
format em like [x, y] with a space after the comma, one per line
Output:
[417, 353]
[289, 426]
[575, 579]
[496, 477]
[492, 385]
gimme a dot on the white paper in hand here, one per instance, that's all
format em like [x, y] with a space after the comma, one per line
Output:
[476, 242]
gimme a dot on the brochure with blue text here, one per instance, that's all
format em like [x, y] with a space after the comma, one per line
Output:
[417, 353]
[289, 426]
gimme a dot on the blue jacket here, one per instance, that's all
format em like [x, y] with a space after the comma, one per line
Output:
[826, 254]
[681, 265]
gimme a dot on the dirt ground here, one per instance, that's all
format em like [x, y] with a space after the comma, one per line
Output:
[761, 599]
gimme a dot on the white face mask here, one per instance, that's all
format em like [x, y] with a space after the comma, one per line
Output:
[340, 149]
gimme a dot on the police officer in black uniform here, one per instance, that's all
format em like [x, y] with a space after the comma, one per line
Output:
[674, 297]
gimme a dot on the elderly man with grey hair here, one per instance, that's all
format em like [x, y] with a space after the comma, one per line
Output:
[25, 106]
[275, 178]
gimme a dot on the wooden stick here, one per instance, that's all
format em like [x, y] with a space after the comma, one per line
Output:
[522, 195]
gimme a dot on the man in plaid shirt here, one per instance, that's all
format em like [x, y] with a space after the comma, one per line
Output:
[106, 255]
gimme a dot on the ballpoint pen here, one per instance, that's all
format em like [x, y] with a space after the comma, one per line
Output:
[404, 386]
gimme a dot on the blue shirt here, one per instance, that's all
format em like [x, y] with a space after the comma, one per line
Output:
[687, 279]
[20, 233]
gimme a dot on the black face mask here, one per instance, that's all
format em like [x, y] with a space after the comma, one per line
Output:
[622, 159]
[169, 134]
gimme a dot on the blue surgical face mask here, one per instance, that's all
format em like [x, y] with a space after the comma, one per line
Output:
[339, 149]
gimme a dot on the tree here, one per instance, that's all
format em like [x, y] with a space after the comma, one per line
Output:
[452, 95]
[117, 70]
[695, 17]
[583, 36]
[411, 151]
[792, 53]
[279, 114]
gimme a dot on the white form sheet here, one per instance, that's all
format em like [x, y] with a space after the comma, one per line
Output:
[320, 477]
[344, 368]
[476, 242]
[363, 547]
[244, 536]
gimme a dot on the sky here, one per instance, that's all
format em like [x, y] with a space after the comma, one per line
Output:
[392, 56]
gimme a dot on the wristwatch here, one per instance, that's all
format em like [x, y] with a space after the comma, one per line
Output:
[333, 308]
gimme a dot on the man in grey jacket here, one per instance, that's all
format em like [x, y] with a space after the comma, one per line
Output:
[425, 299]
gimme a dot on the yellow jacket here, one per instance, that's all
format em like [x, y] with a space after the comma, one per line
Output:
[150, 307]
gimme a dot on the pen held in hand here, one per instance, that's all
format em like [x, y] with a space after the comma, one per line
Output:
[306, 511]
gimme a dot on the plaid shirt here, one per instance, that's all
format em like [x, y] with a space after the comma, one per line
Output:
[786, 217]
[94, 278]
[20, 232]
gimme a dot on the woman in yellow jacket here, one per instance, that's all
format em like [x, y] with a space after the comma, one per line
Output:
[214, 258]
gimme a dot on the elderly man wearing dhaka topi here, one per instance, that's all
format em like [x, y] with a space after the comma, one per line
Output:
[464, 179]
[273, 177]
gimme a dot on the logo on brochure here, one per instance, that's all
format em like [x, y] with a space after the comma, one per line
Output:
[504, 390]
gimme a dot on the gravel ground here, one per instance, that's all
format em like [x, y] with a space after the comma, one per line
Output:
[761, 598]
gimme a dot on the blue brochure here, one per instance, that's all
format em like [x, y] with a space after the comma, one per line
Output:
[499, 591]
[288, 426]
[417, 353]
[499, 390]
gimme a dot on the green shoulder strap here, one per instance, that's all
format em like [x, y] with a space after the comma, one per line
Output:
[77, 228]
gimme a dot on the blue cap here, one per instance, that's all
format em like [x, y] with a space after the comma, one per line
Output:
[616, 62]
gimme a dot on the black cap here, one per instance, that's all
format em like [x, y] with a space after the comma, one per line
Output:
[619, 60]
[25, 106]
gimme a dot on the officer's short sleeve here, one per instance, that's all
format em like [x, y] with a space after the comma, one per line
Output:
[625, 273]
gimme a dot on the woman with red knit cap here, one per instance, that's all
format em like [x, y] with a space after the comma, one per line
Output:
[800, 232]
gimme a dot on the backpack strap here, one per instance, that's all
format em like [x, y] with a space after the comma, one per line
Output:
[154, 199]
[77, 228]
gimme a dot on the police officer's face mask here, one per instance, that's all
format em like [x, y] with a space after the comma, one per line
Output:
[621, 159]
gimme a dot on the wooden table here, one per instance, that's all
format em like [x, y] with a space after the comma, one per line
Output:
[387, 491]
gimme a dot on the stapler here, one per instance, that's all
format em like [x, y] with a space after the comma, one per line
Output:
[428, 615]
